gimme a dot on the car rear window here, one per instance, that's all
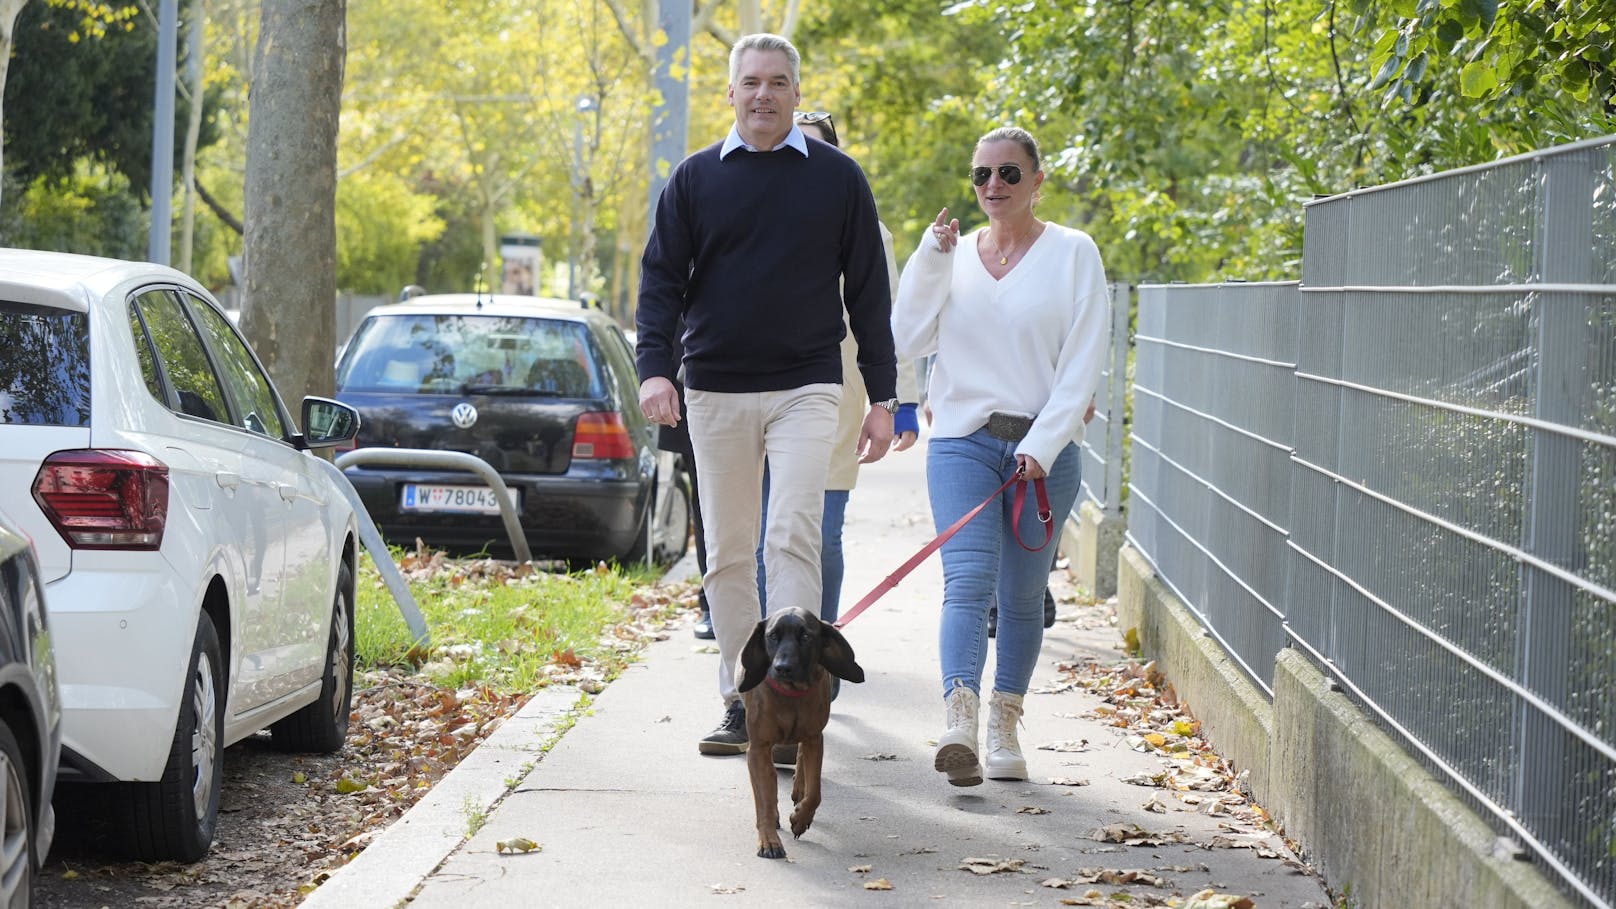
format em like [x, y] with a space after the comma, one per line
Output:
[451, 354]
[44, 365]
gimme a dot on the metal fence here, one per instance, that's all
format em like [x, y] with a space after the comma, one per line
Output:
[1102, 450]
[1406, 466]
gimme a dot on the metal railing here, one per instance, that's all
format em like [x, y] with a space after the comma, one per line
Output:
[1406, 467]
[1102, 450]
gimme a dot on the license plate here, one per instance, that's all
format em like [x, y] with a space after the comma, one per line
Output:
[463, 499]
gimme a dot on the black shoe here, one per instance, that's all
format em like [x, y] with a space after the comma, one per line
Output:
[835, 687]
[730, 736]
[1049, 609]
[993, 621]
[785, 757]
[704, 627]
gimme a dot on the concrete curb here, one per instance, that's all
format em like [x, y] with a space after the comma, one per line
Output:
[1375, 822]
[411, 848]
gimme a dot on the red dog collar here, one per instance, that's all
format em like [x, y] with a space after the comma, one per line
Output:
[783, 691]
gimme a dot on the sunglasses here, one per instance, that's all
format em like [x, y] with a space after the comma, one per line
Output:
[823, 118]
[1009, 173]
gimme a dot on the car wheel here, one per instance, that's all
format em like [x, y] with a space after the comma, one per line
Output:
[322, 726]
[17, 812]
[175, 817]
[673, 522]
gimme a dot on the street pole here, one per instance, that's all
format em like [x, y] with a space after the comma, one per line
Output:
[580, 182]
[670, 121]
[162, 170]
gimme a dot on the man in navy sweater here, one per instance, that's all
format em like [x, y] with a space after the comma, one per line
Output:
[758, 241]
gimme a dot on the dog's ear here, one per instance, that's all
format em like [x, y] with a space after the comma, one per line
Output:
[754, 659]
[836, 655]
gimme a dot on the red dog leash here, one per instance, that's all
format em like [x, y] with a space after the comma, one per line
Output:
[1045, 515]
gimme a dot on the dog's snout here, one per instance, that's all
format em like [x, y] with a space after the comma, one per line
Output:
[788, 668]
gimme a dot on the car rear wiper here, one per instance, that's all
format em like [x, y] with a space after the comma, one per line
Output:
[513, 390]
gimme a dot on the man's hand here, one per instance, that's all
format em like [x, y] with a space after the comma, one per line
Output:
[875, 436]
[659, 401]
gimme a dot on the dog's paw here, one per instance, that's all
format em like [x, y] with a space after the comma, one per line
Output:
[800, 824]
[771, 850]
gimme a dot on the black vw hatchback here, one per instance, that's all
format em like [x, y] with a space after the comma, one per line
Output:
[543, 390]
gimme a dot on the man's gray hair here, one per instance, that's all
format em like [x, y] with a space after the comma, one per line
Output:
[763, 41]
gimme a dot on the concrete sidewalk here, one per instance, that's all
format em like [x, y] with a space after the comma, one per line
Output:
[627, 812]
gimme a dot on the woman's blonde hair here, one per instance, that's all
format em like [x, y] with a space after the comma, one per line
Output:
[1013, 134]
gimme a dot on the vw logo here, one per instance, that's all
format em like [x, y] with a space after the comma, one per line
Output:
[463, 415]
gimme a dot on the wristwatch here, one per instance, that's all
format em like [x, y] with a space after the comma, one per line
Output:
[890, 405]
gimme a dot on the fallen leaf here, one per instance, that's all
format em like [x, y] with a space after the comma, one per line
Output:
[299, 777]
[1109, 876]
[1067, 781]
[860, 869]
[990, 866]
[348, 785]
[517, 844]
[879, 883]
[1032, 809]
[725, 888]
[1079, 745]
[1135, 835]
[1210, 899]
[1155, 806]
[880, 756]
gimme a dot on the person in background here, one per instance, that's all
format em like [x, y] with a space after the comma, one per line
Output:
[844, 464]
[1016, 312]
[764, 318]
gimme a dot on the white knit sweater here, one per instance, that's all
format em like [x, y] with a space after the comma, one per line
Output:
[1032, 342]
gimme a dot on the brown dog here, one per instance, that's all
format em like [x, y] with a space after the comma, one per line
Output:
[786, 670]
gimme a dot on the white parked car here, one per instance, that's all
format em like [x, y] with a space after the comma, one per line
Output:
[198, 559]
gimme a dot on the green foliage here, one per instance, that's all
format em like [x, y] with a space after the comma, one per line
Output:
[383, 224]
[81, 79]
[90, 210]
[1555, 60]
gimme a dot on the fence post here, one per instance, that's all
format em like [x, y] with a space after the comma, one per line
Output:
[1115, 425]
[1565, 256]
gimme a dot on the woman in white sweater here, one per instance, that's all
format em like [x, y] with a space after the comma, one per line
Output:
[1016, 313]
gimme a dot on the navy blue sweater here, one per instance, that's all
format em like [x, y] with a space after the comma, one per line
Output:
[757, 251]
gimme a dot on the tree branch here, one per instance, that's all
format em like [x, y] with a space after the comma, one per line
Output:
[629, 34]
[219, 211]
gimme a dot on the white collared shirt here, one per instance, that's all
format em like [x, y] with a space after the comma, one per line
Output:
[793, 139]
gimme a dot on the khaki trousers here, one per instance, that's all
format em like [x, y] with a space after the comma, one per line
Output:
[732, 434]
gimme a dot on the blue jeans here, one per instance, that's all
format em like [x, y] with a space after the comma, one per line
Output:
[983, 563]
[831, 564]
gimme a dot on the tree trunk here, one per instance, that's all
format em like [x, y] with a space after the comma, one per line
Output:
[289, 303]
[9, 10]
[193, 130]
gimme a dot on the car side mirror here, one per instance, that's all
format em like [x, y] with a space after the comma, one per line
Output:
[327, 422]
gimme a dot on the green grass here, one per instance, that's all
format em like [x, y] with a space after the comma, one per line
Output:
[498, 630]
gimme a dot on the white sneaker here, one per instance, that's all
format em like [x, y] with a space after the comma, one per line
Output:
[1004, 759]
[956, 747]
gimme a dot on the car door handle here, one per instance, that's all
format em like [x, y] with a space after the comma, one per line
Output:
[227, 480]
[287, 491]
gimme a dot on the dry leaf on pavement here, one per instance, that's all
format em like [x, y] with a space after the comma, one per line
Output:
[990, 865]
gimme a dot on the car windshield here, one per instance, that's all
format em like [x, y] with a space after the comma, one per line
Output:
[44, 365]
[450, 354]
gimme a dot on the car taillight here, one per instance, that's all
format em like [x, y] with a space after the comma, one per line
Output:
[601, 435]
[104, 499]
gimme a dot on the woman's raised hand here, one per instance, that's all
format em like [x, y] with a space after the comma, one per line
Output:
[945, 232]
